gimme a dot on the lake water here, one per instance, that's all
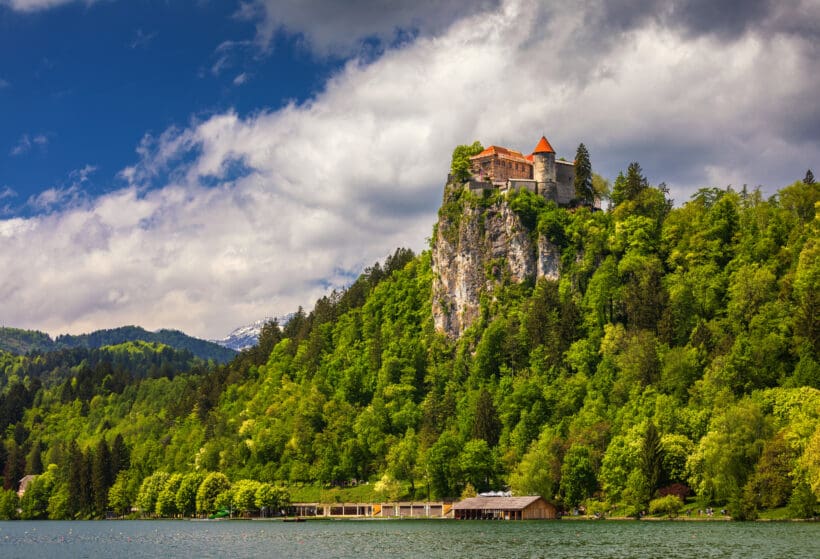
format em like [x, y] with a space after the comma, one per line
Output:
[391, 539]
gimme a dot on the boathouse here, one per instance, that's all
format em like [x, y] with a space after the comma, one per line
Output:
[504, 508]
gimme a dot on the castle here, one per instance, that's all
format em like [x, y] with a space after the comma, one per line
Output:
[540, 172]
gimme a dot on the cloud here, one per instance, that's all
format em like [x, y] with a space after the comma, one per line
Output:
[38, 5]
[26, 143]
[338, 28]
[240, 79]
[64, 196]
[141, 39]
[230, 218]
[4, 83]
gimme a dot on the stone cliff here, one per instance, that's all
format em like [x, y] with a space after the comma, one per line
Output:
[479, 244]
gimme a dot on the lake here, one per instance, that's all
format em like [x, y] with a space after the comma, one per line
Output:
[390, 539]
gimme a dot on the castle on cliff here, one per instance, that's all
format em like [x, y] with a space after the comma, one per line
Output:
[540, 172]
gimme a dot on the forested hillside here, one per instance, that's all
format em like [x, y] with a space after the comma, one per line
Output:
[15, 340]
[675, 354]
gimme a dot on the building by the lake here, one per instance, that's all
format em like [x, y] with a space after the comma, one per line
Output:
[531, 507]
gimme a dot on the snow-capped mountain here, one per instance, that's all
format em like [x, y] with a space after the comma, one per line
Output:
[243, 337]
[247, 336]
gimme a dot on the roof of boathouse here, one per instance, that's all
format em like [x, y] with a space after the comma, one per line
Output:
[496, 503]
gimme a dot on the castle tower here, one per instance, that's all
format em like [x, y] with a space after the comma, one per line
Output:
[543, 169]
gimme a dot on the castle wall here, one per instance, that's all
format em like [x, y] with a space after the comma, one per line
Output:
[564, 182]
[500, 168]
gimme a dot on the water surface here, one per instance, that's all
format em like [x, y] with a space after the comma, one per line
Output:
[409, 538]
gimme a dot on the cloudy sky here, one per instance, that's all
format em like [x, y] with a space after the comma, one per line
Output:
[200, 164]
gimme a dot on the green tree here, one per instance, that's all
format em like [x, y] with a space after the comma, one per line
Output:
[486, 425]
[121, 495]
[460, 163]
[584, 190]
[102, 476]
[211, 487]
[652, 457]
[166, 504]
[803, 502]
[271, 498]
[477, 464]
[186, 494]
[34, 503]
[578, 480]
[539, 471]
[79, 481]
[402, 459]
[8, 504]
[244, 495]
[149, 491]
[630, 186]
[669, 505]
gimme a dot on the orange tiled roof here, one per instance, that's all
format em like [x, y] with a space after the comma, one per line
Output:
[499, 150]
[543, 146]
[529, 158]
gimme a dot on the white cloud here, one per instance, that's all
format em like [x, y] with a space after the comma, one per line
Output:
[240, 79]
[338, 28]
[26, 143]
[252, 216]
[63, 196]
[141, 39]
[37, 5]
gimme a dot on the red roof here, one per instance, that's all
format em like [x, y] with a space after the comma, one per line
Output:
[543, 146]
[499, 150]
[529, 158]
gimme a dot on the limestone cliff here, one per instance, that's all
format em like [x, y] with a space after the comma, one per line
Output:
[479, 244]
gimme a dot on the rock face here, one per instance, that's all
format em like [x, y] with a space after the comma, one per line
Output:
[477, 247]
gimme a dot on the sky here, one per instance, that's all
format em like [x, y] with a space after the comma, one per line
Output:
[202, 164]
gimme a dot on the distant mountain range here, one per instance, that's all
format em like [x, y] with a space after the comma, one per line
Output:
[15, 340]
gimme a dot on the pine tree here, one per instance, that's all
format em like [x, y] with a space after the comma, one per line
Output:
[583, 176]
[486, 425]
[101, 478]
[652, 457]
[120, 456]
[15, 465]
[34, 460]
[630, 186]
[80, 496]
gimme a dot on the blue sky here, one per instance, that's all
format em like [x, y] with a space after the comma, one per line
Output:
[203, 164]
[84, 83]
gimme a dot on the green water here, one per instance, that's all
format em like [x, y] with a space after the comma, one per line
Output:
[409, 538]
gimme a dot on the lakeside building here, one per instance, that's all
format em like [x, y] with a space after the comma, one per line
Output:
[531, 507]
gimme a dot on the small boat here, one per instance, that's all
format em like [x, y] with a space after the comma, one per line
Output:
[294, 519]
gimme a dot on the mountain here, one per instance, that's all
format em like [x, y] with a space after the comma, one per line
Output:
[19, 341]
[247, 336]
[242, 337]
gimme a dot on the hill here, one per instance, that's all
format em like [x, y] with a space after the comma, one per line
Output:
[604, 359]
[20, 342]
